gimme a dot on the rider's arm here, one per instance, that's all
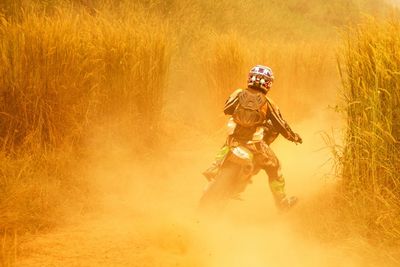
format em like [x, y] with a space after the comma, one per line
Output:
[281, 125]
[231, 103]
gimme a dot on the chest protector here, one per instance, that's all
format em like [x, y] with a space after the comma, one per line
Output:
[251, 109]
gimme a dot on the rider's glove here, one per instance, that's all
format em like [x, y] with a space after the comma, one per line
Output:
[297, 138]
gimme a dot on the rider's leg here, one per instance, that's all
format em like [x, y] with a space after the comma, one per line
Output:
[275, 178]
[212, 171]
[276, 181]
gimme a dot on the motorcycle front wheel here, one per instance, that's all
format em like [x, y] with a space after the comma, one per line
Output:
[219, 191]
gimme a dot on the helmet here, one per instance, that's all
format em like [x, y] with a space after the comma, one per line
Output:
[260, 77]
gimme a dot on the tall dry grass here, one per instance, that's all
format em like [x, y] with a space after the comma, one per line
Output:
[364, 206]
[49, 71]
[370, 69]
[225, 64]
[305, 72]
[305, 75]
[214, 50]
[67, 76]
[61, 73]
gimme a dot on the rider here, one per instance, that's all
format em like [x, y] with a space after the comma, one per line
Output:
[256, 122]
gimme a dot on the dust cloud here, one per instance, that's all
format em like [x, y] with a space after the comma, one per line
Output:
[148, 211]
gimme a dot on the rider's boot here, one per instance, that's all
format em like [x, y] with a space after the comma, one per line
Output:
[282, 202]
[287, 203]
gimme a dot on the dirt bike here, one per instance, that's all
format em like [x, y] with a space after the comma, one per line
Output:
[233, 176]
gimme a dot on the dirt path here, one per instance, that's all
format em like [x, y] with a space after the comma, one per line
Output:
[154, 224]
[140, 241]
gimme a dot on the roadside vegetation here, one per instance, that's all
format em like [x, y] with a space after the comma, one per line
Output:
[370, 159]
[364, 205]
[65, 78]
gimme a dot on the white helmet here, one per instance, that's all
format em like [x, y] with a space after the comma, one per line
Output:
[260, 77]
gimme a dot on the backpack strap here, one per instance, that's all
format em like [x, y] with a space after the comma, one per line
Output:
[232, 102]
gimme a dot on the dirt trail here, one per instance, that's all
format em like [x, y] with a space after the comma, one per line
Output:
[133, 241]
[154, 224]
